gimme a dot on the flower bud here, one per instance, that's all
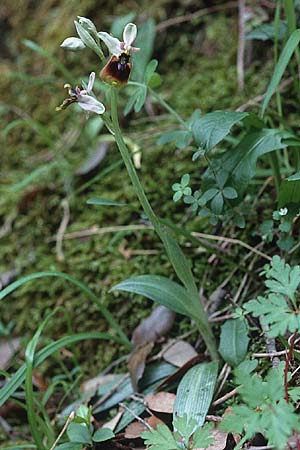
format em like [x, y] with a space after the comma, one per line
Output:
[88, 25]
[73, 44]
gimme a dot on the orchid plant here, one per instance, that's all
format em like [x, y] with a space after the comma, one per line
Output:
[116, 73]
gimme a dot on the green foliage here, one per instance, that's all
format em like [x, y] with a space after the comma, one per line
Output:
[195, 392]
[184, 438]
[234, 341]
[263, 409]
[182, 189]
[278, 308]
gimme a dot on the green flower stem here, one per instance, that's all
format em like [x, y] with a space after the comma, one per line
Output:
[202, 322]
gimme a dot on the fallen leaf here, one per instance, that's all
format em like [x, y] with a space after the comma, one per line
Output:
[94, 160]
[137, 363]
[7, 349]
[135, 429]
[179, 353]
[158, 324]
[161, 402]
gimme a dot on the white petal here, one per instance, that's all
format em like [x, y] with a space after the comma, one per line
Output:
[129, 34]
[113, 44]
[90, 104]
[72, 43]
[91, 82]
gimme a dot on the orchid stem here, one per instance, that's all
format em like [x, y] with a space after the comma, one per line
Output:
[202, 319]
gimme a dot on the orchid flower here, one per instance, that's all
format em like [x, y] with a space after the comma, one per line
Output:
[117, 47]
[82, 96]
[118, 68]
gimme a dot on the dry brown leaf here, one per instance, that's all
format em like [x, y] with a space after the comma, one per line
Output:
[158, 324]
[7, 349]
[135, 429]
[161, 402]
[179, 353]
[39, 381]
[137, 362]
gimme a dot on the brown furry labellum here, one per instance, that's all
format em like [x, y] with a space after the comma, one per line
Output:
[117, 70]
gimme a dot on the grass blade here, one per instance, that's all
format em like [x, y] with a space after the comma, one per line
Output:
[104, 311]
[19, 377]
[283, 61]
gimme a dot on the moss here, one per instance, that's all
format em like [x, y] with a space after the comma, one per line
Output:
[206, 61]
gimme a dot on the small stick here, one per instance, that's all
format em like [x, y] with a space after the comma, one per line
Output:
[61, 231]
[286, 368]
[70, 418]
[225, 397]
[232, 241]
[136, 416]
[241, 45]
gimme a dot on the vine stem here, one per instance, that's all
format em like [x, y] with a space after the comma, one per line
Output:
[286, 368]
[202, 319]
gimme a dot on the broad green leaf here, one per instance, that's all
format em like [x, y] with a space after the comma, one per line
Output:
[68, 446]
[103, 434]
[211, 129]
[195, 392]
[217, 203]
[230, 193]
[119, 24]
[289, 191]
[103, 202]
[208, 195]
[237, 166]
[144, 40]
[234, 341]
[79, 433]
[281, 65]
[159, 289]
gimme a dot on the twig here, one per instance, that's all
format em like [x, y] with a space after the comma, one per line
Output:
[286, 368]
[200, 13]
[272, 354]
[70, 418]
[136, 416]
[241, 45]
[225, 397]
[96, 230]
[61, 231]
[232, 241]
